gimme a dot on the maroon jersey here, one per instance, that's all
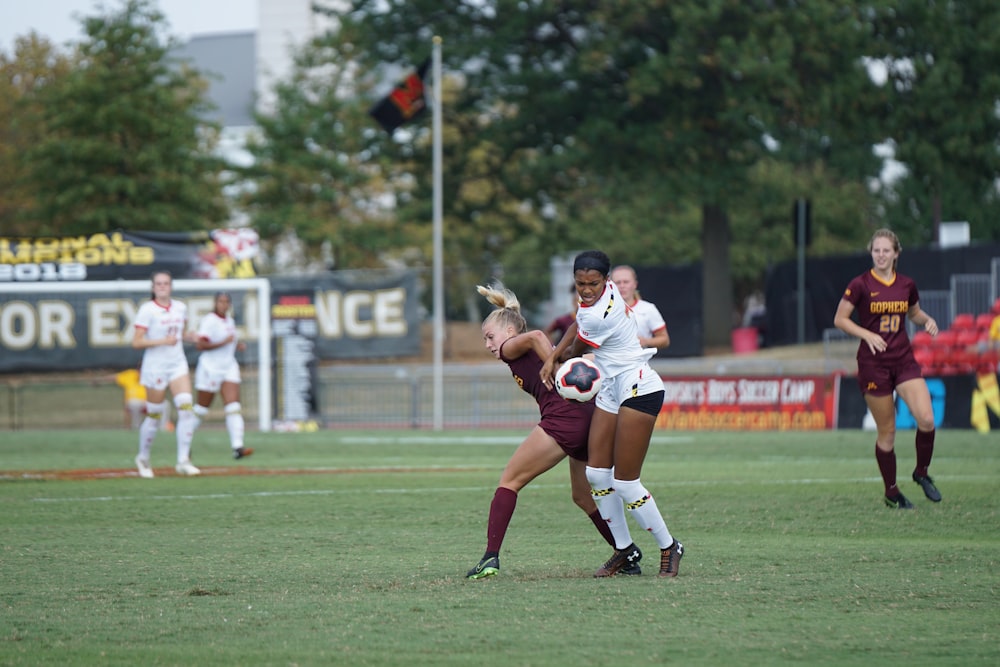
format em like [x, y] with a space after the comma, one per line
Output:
[568, 422]
[882, 307]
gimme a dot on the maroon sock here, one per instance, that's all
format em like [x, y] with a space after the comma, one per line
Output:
[887, 466]
[603, 528]
[501, 510]
[925, 450]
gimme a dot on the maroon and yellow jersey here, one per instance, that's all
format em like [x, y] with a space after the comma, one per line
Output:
[882, 307]
[568, 422]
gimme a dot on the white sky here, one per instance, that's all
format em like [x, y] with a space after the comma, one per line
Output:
[59, 20]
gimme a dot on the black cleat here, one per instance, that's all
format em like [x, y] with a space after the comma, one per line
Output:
[242, 452]
[898, 502]
[489, 566]
[670, 559]
[619, 560]
[927, 484]
[630, 570]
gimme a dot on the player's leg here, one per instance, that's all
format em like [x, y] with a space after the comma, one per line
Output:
[636, 421]
[536, 454]
[155, 404]
[180, 389]
[206, 388]
[883, 409]
[580, 490]
[915, 394]
[235, 425]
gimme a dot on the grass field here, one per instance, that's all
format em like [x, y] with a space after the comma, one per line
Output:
[351, 550]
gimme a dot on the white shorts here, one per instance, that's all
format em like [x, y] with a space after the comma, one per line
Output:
[639, 381]
[160, 375]
[211, 379]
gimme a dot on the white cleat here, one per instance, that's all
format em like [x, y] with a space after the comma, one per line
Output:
[186, 468]
[144, 470]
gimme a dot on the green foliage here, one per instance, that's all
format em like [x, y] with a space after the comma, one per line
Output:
[350, 547]
[122, 142]
[33, 65]
[939, 104]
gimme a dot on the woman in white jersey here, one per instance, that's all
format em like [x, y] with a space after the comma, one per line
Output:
[648, 320]
[159, 332]
[631, 397]
[219, 372]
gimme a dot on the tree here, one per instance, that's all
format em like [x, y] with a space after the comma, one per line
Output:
[691, 94]
[33, 64]
[939, 99]
[123, 144]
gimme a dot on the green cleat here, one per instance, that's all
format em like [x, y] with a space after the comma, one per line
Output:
[489, 566]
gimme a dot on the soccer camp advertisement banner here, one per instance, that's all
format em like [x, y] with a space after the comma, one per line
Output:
[349, 314]
[220, 253]
[747, 403]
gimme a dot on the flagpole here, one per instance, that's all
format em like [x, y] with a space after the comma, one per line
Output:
[438, 245]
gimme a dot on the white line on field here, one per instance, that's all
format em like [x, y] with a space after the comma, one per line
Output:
[486, 489]
[464, 440]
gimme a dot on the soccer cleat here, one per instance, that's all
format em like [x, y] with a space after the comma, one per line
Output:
[144, 470]
[927, 484]
[186, 468]
[489, 566]
[670, 559]
[898, 502]
[619, 560]
[242, 452]
[630, 570]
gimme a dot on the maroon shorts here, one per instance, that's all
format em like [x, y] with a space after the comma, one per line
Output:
[882, 380]
[570, 434]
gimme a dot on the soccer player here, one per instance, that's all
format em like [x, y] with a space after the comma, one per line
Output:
[561, 432]
[219, 372]
[159, 333]
[648, 320]
[883, 299]
[631, 397]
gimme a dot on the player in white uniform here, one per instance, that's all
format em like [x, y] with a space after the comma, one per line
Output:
[159, 333]
[630, 399]
[219, 372]
[648, 320]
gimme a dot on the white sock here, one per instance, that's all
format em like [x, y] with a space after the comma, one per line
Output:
[185, 426]
[610, 504]
[234, 424]
[200, 412]
[639, 502]
[147, 430]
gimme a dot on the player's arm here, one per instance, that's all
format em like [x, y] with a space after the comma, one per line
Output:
[660, 339]
[140, 341]
[922, 319]
[569, 346]
[842, 320]
[519, 345]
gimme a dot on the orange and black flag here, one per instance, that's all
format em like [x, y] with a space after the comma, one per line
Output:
[404, 103]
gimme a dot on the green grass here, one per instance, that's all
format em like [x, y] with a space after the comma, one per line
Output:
[790, 556]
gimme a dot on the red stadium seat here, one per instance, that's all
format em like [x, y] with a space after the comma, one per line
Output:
[925, 357]
[963, 321]
[984, 320]
[922, 339]
[967, 338]
[945, 339]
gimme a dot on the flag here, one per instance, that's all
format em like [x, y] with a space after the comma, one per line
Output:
[404, 103]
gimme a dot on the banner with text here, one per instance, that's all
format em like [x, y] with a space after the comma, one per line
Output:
[219, 253]
[352, 314]
[747, 403]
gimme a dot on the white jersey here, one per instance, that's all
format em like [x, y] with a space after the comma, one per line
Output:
[647, 318]
[215, 329]
[160, 322]
[609, 326]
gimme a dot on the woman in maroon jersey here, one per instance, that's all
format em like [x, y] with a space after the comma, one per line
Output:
[562, 431]
[883, 299]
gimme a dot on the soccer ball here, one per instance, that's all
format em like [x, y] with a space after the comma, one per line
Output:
[578, 379]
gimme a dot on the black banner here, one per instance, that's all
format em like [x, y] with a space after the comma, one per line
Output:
[220, 253]
[60, 327]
